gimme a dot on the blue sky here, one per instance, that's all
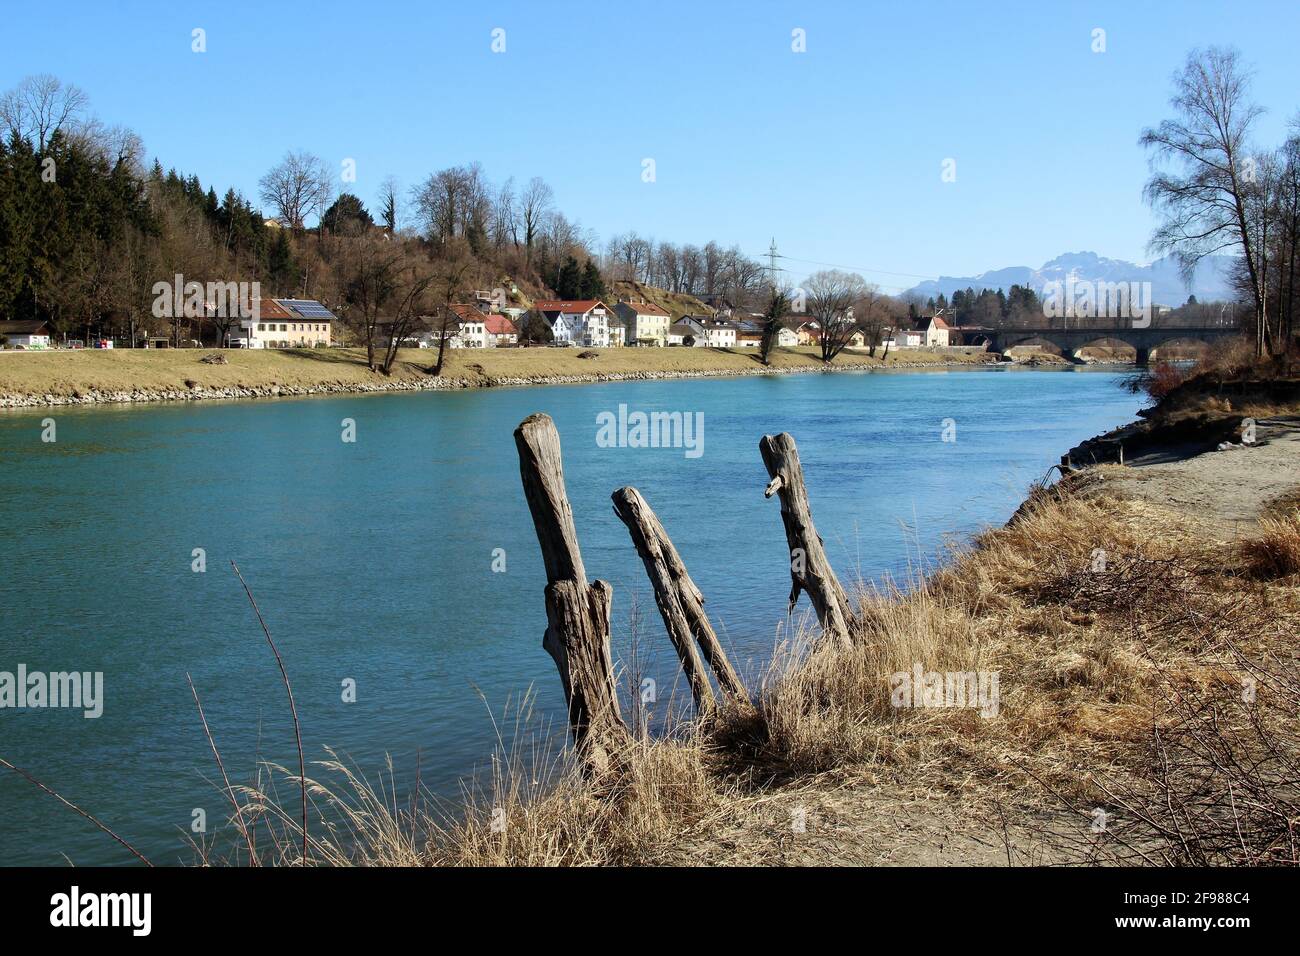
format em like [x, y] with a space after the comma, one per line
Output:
[836, 151]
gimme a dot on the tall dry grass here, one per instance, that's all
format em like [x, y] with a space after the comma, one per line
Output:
[1275, 552]
[1103, 618]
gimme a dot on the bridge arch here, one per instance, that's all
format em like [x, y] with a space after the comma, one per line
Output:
[1177, 347]
[1106, 349]
[1030, 340]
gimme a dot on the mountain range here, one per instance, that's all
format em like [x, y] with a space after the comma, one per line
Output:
[1210, 283]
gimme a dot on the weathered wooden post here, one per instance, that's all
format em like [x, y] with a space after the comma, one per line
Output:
[577, 613]
[810, 571]
[680, 602]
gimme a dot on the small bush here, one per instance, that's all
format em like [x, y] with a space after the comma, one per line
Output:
[1158, 381]
[1276, 552]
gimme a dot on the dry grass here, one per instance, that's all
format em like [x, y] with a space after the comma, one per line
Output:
[1275, 553]
[1114, 632]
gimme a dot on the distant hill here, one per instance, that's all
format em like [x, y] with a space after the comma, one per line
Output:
[1167, 286]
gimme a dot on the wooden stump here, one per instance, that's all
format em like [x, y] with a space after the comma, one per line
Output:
[810, 570]
[680, 602]
[577, 613]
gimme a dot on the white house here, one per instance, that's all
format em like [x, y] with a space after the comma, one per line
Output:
[471, 331]
[26, 334]
[906, 338]
[500, 330]
[577, 322]
[679, 332]
[721, 333]
[283, 324]
[647, 324]
[695, 325]
[929, 331]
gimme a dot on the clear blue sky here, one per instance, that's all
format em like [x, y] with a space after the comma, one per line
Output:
[836, 152]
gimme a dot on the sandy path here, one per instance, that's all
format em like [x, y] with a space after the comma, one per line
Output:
[1224, 492]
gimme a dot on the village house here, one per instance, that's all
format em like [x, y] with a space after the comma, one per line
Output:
[284, 324]
[646, 323]
[500, 330]
[696, 324]
[711, 332]
[618, 331]
[721, 332]
[680, 332]
[471, 327]
[26, 334]
[577, 322]
[805, 331]
[931, 331]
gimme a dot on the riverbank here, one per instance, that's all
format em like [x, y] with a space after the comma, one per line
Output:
[1146, 667]
[89, 377]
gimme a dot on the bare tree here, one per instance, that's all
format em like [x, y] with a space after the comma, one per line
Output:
[413, 282]
[370, 282]
[299, 187]
[505, 218]
[449, 281]
[1205, 202]
[872, 315]
[40, 106]
[830, 297]
[534, 206]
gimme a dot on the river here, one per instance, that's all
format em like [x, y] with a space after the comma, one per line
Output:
[372, 561]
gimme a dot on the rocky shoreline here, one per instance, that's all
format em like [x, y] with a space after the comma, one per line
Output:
[231, 392]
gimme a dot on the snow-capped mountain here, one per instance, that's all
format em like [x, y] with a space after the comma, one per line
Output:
[1167, 286]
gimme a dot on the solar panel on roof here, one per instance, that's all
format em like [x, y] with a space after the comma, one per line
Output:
[309, 308]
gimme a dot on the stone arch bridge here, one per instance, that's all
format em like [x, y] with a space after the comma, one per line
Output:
[1069, 341]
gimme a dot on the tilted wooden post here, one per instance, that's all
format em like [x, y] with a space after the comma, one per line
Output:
[680, 602]
[577, 613]
[810, 571]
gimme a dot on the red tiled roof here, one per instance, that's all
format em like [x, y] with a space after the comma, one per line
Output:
[270, 309]
[499, 324]
[467, 313]
[644, 308]
[578, 306]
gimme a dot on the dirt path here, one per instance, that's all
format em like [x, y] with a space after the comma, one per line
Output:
[870, 824]
[1223, 492]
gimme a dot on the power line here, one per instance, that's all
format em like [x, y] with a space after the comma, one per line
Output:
[835, 265]
[773, 255]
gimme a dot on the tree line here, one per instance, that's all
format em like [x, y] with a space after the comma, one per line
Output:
[87, 228]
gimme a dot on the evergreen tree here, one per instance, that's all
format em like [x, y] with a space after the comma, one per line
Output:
[347, 216]
[592, 286]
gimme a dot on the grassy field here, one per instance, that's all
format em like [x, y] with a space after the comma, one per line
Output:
[65, 373]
